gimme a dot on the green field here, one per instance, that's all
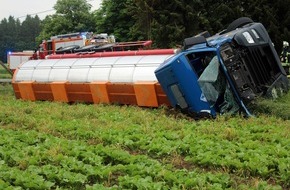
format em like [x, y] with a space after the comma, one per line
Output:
[48, 145]
[4, 74]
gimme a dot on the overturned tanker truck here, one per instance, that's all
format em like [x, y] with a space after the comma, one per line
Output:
[215, 74]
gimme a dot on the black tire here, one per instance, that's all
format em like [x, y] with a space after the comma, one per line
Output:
[87, 48]
[239, 23]
[189, 42]
[205, 34]
[68, 49]
[105, 47]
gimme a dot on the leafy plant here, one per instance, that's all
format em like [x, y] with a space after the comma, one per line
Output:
[61, 146]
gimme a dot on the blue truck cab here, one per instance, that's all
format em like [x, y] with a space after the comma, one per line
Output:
[225, 72]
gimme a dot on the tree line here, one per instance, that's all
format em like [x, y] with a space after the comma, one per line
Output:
[17, 36]
[166, 22]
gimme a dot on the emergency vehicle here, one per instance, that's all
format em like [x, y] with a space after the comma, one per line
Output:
[79, 42]
[47, 47]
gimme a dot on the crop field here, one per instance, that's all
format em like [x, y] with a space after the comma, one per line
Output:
[49, 145]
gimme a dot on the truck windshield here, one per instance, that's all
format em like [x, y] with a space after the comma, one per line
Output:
[212, 82]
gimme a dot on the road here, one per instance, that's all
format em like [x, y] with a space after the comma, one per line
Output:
[5, 80]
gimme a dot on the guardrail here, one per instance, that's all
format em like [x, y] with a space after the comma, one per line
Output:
[5, 67]
[5, 81]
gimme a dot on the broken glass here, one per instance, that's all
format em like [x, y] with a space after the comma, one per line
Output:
[216, 88]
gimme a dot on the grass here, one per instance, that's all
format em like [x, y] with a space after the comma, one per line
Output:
[127, 147]
[279, 107]
[4, 74]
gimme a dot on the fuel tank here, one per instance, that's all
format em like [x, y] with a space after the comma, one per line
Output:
[121, 77]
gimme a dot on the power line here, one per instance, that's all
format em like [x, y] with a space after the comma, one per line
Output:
[43, 12]
[36, 13]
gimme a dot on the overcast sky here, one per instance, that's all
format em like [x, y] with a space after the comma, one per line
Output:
[21, 8]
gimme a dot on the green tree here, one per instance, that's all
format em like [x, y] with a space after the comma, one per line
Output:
[76, 13]
[165, 22]
[9, 33]
[29, 30]
[171, 33]
[168, 22]
[114, 18]
[17, 36]
[215, 16]
[142, 11]
[71, 16]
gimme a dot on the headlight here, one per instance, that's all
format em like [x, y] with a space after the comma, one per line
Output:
[248, 37]
[255, 33]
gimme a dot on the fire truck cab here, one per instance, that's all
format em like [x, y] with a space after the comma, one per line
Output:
[63, 42]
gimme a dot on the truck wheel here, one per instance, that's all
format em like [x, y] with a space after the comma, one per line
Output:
[189, 42]
[239, 23]
[87, 48]
[205, 34]
[68, 49]
[105, 47]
